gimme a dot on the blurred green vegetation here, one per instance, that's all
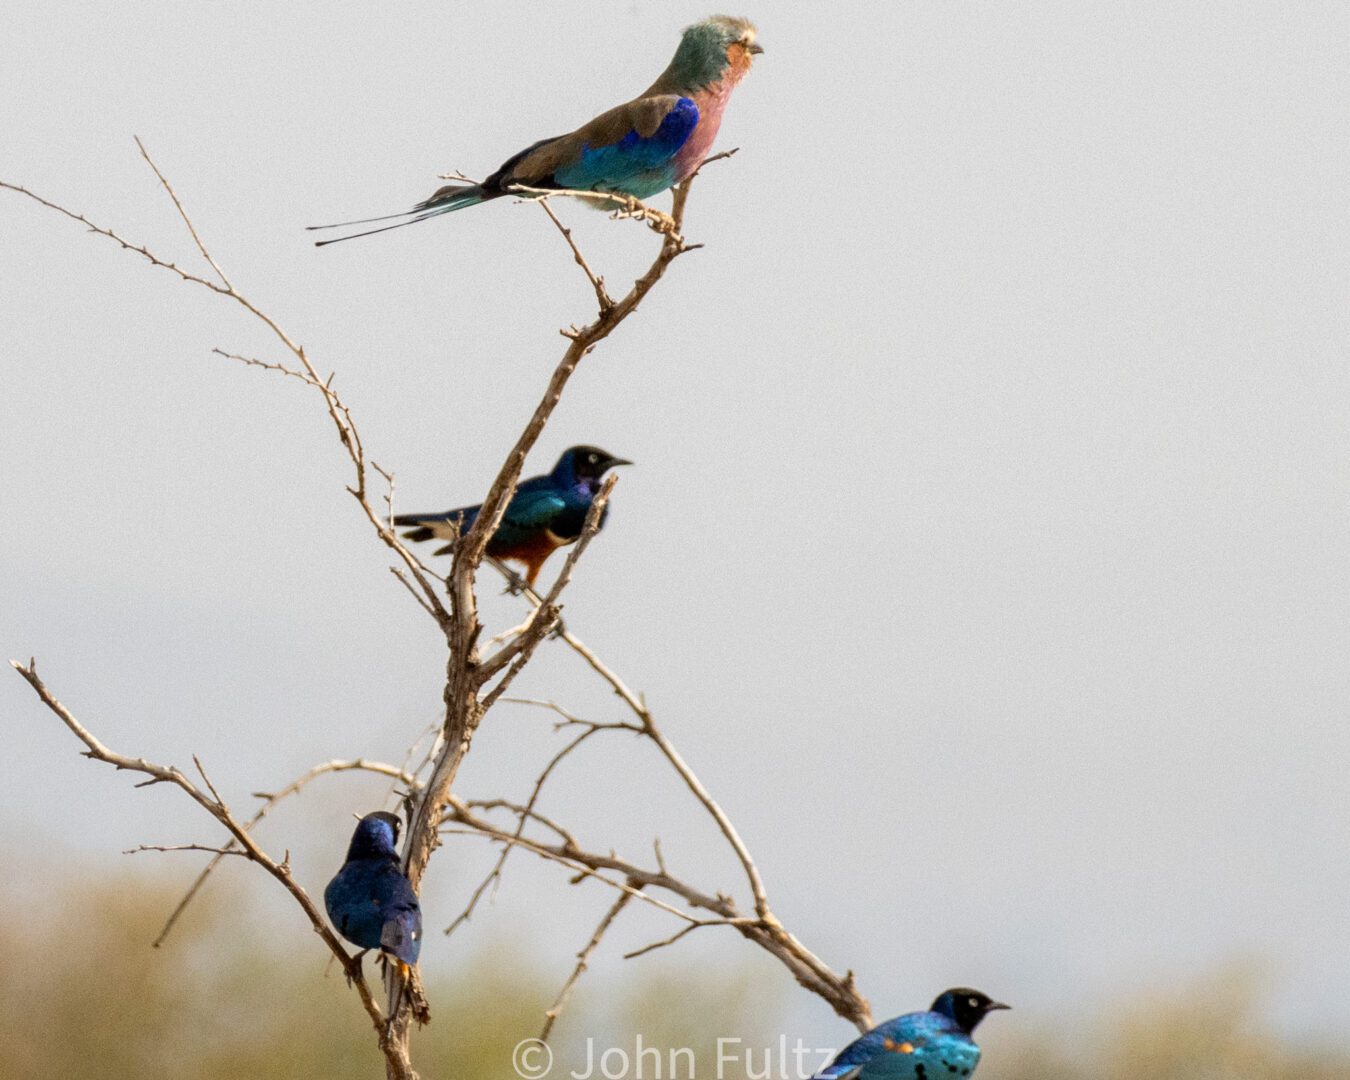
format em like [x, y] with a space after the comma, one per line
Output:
[83, 995]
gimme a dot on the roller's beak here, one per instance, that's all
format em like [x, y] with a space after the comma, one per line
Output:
[997, 1005]
[754, 48]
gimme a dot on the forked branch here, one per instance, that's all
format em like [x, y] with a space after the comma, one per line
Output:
[211, 802]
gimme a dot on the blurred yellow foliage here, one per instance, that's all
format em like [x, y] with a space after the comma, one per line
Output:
[1211, 1028]
[83, 995]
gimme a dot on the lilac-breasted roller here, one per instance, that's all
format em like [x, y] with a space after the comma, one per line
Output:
[638, 149]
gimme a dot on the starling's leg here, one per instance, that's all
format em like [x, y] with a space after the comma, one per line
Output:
[357, 960]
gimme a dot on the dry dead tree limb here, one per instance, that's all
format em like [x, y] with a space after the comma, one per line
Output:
[584, 865]
[602, 297]
[465, 676]
[544, 618]
[183, 214]
[516, 808]
[659, 944]
[218, 809]
[336, 408]
[220, 851]
[840, 992]
[270, 802]
[523, 815]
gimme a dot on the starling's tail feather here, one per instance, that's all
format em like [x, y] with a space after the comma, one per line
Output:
[443, 202]
[448, 526]
[422, 527]
[403, 520]
[401, 934]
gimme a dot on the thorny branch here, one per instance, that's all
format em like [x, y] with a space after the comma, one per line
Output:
[763, 927]
[467, 672]
[269, 803]
[306, 372]
[467, 695]
[211, 802]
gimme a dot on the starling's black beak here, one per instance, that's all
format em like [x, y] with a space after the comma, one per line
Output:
[996, 1005]
[617, 461]
[754, 48]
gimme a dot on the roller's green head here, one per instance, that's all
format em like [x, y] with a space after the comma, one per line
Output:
[710, 51]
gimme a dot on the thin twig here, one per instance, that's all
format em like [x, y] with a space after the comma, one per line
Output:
[840, 992]
[544, 618]
[183, 214]
[602, 297]
[660, 944]
[218, 810]
[221, 851]
[270, 802]
[523, 815]
[337, 409]
[583, 864]
[583, 959]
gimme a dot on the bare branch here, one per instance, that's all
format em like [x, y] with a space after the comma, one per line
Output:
[271, 800]
[184, 847]
[583, 864]
[570, 720]
[840, 992]
[337, 410]
[463, 708]
[523, 814]
[620, 206]
[810, 971]
[127, 245]
[545, 616]
[269, 365]
[534, 815]
[583, 958]
[602, 298]
[218, 810]
[663, 942]
[183, 214]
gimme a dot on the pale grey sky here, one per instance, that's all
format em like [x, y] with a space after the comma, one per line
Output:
[986, 551]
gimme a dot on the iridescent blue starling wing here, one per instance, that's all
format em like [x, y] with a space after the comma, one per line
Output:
[369, 901]
[545, 512]
[932, 1045]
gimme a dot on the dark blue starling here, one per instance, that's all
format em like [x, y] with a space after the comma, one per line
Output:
[933, 1045]
[544, 514]
[370, 900]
